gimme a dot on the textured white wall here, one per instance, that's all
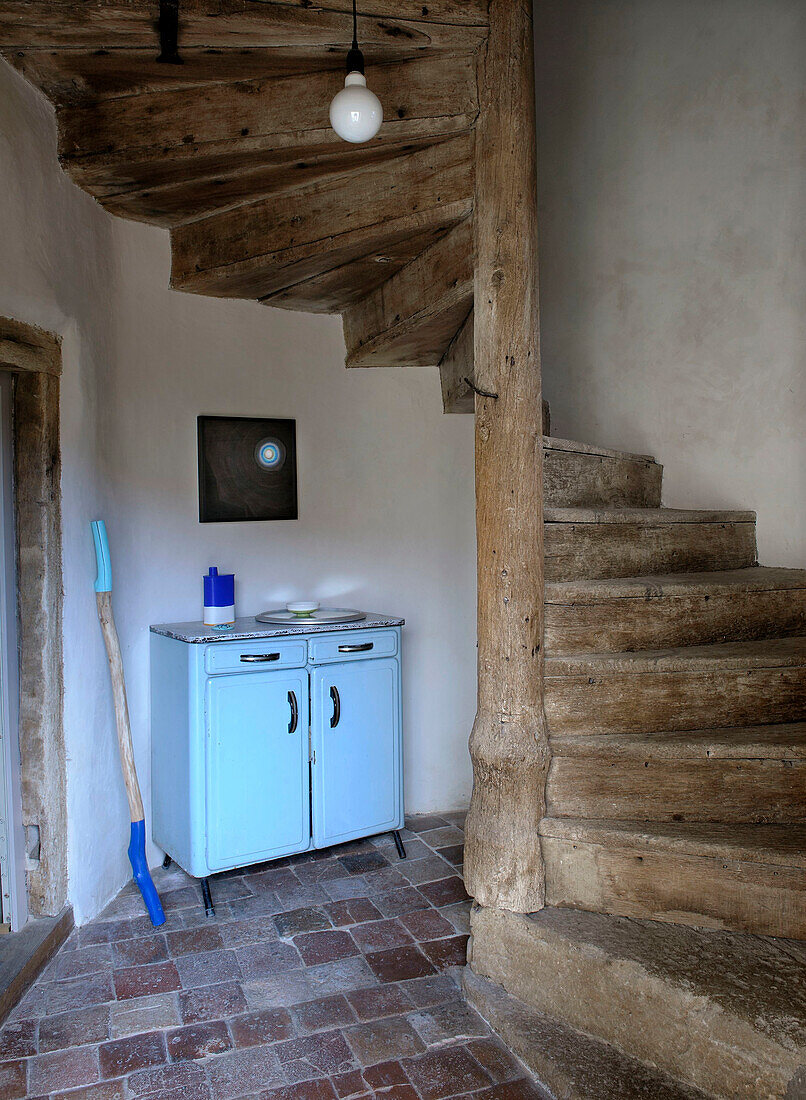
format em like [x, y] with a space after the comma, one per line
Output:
[385, 481]
[672, 169]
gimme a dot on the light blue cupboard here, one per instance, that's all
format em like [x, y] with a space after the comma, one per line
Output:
[267, 742]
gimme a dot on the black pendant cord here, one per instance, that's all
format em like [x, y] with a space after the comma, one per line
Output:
[169, 33]
[355, 59]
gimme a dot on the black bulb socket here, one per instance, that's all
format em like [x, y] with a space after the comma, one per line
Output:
[355, 60]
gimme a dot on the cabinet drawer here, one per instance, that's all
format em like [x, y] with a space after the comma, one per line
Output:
[353, 645]
[262, 654]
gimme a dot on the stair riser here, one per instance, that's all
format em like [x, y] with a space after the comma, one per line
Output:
[649, 1016]
[694, 890]
[625, 702]
[576, 551]
[751, 791]
[664, 621]
[563, 1061]
[572, 479]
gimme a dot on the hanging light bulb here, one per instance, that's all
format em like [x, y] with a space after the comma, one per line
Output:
[356, 113]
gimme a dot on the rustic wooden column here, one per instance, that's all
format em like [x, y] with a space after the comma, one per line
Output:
[508, 745]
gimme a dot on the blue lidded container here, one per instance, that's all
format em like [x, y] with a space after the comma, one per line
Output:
[219, 598]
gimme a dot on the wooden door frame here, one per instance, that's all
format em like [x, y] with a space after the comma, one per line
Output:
[509, 743]
[34, 356]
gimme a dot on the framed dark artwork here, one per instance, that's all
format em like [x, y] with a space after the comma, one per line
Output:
[247, 468]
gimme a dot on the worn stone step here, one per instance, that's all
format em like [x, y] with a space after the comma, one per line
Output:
[25, 953]
[749, 878]
[721, 1012]
[627, 542]
[693, 687]
[679, 609]
[578, 475]
[567, 1063]
[756, 774]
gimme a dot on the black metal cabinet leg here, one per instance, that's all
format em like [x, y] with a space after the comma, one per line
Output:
[401, 851]
[206, 898]
[166, 863]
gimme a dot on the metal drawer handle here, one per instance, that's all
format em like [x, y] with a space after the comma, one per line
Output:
[334, 695]
[258, 658]
[292, 702]
[356, 648]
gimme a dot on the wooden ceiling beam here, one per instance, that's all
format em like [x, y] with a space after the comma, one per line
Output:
[258, 249]
[412, 317]
[100, 24]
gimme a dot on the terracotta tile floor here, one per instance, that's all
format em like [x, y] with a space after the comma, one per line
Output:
[329, 975]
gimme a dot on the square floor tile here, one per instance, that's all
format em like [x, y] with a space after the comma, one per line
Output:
[399, 963]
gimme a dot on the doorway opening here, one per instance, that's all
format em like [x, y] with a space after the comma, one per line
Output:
[33, 788]
[13, 886]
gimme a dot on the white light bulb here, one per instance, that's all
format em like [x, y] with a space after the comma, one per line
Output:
[356, 113]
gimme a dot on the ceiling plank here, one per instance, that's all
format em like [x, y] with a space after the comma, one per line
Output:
[98, 24]
[257, 249]
[73, 78]
[413, 316]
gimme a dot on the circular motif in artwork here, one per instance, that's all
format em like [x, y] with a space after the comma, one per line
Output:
[270, 454]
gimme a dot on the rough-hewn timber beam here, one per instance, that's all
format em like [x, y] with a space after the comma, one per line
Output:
[26, 348]
[410, 319]
[256, 250]
[99, 24]
[509, 742]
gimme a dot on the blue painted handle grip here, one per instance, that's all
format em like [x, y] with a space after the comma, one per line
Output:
[103, 582]
[142, 875]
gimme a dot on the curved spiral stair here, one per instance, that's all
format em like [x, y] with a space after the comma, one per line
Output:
[233, 153]
[676, 668]
[669, 963]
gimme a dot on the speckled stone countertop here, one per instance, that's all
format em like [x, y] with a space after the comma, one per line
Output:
[246, 629]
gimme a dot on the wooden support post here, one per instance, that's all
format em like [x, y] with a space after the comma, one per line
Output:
[509, 743]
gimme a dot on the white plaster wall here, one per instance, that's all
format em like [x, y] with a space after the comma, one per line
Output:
[56, 270]
[672, 168]
[385, 481]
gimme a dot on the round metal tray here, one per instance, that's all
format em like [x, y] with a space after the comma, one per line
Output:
[323, 615]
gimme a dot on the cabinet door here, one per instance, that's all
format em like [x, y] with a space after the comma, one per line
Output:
[258, 778]
[355, 731]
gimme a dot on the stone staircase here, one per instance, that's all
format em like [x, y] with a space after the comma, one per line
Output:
[675, 696]
[675, 835]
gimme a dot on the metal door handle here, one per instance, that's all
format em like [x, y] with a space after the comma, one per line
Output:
[292, 702]
[334, 695]
[258, 658]
[356, 648]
